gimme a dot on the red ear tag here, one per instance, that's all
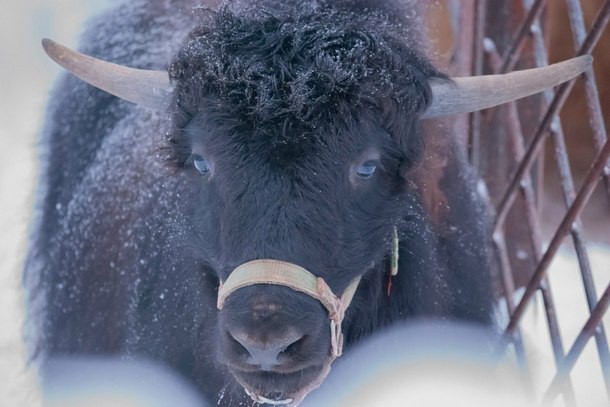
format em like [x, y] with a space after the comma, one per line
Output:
[389, 289]
[393, 261]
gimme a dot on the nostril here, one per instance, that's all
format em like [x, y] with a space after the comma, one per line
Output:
[236, 346]
[265, 352]
[295, 346]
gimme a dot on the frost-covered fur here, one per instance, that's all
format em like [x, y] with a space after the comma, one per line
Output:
[285, 99]
[293, 71]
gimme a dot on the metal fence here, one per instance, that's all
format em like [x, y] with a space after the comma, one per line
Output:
[507, 146]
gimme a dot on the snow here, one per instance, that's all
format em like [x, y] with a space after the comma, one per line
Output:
[114, 382]
[572, 312]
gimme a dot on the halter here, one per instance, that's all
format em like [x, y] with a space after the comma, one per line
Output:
[276, 272]
[290, 275]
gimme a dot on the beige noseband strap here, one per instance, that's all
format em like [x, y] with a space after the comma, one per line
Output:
[290, 275]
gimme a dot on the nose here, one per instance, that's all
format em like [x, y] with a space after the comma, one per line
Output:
[270, 328]
[266, 354]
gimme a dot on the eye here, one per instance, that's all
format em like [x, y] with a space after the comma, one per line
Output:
[201, 164]
[367, 169]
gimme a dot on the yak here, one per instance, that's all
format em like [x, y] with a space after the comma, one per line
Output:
[243, 190]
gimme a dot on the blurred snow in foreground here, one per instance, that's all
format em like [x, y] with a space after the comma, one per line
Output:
[423, 364]
[98, 382]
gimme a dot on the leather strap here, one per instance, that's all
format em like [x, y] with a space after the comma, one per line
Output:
[268, 271]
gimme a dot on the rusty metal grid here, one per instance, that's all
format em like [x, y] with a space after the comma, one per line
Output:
[507, 146]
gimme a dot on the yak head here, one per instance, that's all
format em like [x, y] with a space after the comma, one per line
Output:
[296, 135]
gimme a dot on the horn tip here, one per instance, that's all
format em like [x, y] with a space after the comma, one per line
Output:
[47, 43]
[584, 62]
[51, 48]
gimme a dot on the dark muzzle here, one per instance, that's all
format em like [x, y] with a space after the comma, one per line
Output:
[286, 274]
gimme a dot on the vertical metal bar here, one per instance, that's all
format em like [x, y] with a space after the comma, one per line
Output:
[577, 22]
[496, 166]
[462, 16]
[508, 286]
[477, 69]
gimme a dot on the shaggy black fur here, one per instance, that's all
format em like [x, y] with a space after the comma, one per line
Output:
[284, 102]
[301, 73]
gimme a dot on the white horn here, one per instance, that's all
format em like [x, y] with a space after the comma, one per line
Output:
[148, 88]
[469, 94]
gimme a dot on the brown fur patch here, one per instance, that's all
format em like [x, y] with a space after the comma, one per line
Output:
[427, 176]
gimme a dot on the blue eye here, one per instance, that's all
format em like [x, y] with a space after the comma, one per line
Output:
[201, 164]
[367, 169]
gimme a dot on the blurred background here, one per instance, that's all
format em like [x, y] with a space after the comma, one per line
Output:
[28, 76]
